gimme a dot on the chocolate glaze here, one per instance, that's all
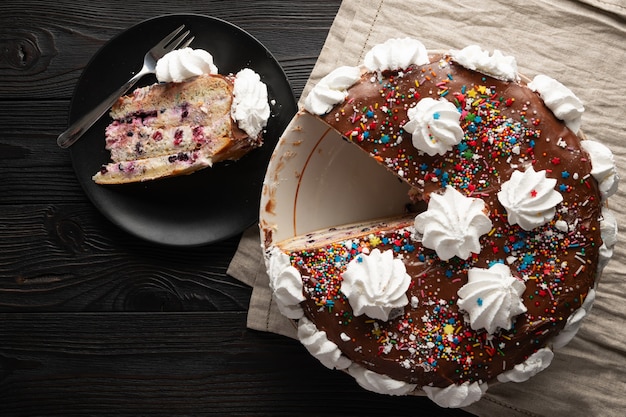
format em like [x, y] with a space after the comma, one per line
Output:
[509, 127]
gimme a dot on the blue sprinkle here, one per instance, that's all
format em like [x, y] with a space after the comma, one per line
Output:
[562, 188]
[564, 174]
[436, 115]
[495, 262]
[518, 245]
[479, 301]
[369, 114]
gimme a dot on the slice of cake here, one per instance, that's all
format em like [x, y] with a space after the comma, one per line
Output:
[502, 263]
[179, 127]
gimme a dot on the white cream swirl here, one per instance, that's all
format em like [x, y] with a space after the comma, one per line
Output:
[608, 232]
[381, 384]
[529, 198]
[331, 90]
[453, 224]
[181, 64]
[396, 54]
[250, 108]
[435, 126]
[574, 321]
[285, 283]
[492, 298]
[498, 65]
[376, 284]
[602, 167]
[455, 396]
[535, 363]
[318, 345]
[560, 99]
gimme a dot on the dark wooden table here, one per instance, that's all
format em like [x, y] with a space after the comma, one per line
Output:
[94, 321]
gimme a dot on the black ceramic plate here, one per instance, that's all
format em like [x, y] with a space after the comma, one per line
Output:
[197, 209]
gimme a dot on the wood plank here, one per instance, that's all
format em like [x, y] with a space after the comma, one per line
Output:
[172, 364]
[69, 258]
[46, 45]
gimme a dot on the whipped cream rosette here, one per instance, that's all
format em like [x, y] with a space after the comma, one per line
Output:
[492, 298]
[331, 89]
[529, 198]
[536, 363]
[182, 64]
[560, 99]
[453, 224]
[496, 64]
[376, 284]
[396, 54]
[250, 109]
[434, 125]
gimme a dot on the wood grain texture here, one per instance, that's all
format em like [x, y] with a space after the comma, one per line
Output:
[195, 363]
[94, 321]
[65, 34]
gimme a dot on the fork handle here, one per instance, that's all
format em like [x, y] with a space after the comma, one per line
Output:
[80, 126]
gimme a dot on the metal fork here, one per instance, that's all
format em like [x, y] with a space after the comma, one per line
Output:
[168, 44]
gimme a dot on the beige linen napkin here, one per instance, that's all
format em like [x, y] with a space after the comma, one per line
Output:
[580, 43]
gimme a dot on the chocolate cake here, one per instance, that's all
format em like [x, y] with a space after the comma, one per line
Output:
[501, 261]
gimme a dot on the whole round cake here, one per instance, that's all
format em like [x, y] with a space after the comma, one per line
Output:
[497, 261]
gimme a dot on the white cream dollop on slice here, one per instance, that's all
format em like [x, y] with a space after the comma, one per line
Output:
[396, 54]
[455, 396]
[285, 283]
[574, 321]
[381, 384]
[535, 363]
[498, 65]
[435, 126]
[492, 298]
[318, 345]
[331, 90]
[453, 224]
[250, 108]
[182, 64]
[529, 198]
[376, 284]
[602, 167]
[560, 99]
